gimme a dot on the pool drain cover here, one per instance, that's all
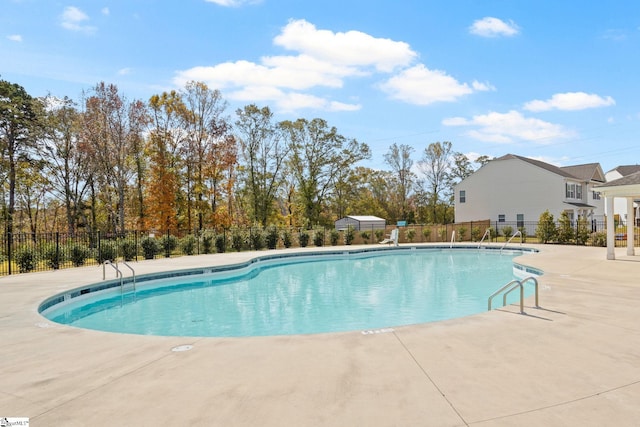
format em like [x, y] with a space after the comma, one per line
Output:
[182, 348]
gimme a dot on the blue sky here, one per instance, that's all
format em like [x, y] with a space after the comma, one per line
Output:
[552, 80]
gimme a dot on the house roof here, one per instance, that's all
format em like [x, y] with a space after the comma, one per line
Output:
[631, 179]
[625, 170]
[586, 172]
[365, 218]
[627, 186]
[538, 163]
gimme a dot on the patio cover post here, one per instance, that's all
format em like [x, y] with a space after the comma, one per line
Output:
[630, 227]
[611, 238]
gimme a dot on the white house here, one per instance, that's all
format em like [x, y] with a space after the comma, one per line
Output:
[620, 204]
[513, 189]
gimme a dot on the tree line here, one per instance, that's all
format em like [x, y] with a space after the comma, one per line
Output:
[180, 161]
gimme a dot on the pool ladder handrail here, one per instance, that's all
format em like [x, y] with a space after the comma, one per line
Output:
[510, 287]
[510, 239]
[453, 238]
[487, 232]
[119, 273]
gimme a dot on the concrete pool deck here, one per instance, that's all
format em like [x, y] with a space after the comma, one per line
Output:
[573, 362]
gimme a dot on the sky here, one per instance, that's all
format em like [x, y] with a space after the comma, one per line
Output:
[552, 80]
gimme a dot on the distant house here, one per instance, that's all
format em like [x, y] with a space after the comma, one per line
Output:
[360, 222]
[620, 204]
[513, 189]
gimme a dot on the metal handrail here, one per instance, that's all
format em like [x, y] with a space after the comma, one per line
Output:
[132, 272]
[535, 283]
[118, 272]
[453, 238]
[510, 285]
[510, 239]
[486, 232]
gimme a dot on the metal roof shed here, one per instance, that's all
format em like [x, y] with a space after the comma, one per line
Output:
[361, 222]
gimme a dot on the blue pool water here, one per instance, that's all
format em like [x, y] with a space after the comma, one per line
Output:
[316, 294]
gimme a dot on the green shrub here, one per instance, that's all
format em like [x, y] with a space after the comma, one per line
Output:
[271, 237]
[365, 236]
[493, 233]
[546, 230]
[108, 250]
[410, 234]
[286, 238]
[129, 250]
[443, 233]
[507, 231]
[238, 239]
[207, 243]
[523, 234]
[598, 239]
[426, 233]
[150, 247]
[26, 258]
[582, 232]
[257, 238]
[318, 237]
[78, 254]
[303, 238]
[188, 244]
[334, 236]
[52, 255]
[349, 235]
[475, 234]
[379, 235]
[462, 234]
[565, 231]
[221, 243]
[168, 243]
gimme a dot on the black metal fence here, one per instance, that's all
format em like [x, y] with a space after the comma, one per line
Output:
[26, 252]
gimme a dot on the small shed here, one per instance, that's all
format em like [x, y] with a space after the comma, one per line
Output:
[361, 222]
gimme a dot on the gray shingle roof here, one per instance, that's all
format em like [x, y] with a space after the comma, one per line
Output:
[586, 172]
[540, 164]
[625, 170]
[632, 179]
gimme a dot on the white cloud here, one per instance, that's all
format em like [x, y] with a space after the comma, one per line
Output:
[323, 59]
[124, 71]
[73, 18]
[507, 127]
[570, 101]
[105, 11]
[421, 86]
[493, 27]
[15, 38]
[352, 48]
[326, 59]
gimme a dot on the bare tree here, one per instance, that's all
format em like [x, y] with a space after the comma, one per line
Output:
[399, 159]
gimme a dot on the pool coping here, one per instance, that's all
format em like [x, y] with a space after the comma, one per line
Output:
[575, 361]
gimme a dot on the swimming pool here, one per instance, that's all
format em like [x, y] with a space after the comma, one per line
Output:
[304, 294]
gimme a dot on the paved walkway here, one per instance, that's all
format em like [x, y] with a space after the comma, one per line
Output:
[573, 362]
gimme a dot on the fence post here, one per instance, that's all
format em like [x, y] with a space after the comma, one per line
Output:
[57, 259]
[9, 251]
[167, 246]
[99, 244]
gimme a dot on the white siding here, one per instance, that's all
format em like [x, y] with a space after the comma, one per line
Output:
[511, 187]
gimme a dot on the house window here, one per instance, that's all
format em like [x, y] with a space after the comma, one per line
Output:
[520, 220]
[501, 218]
[573, 191]
[596, 195]
[463, 196]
